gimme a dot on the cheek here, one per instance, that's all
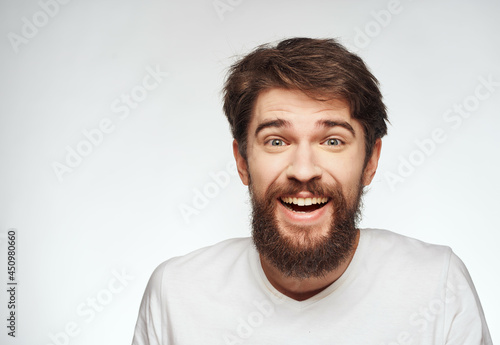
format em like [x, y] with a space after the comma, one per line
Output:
[345, 169]
[265, 169]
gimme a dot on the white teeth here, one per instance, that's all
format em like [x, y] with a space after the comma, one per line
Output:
[304, 201]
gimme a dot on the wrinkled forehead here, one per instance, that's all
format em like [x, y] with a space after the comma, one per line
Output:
[284, 104]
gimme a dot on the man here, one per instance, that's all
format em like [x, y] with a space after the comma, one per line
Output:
[307, 119]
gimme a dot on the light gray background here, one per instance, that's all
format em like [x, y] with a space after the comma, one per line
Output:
[120, 209]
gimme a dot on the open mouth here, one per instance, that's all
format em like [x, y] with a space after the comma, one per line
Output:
[304, 205]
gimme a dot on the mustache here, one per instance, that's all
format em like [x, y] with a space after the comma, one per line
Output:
[313, 186]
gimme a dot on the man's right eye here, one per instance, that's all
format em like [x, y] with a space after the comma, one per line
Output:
[277, 142]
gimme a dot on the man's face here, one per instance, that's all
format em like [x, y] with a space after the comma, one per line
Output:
[305, 171]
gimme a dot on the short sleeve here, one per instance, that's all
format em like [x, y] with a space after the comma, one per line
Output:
[464, 322]
[148, 329]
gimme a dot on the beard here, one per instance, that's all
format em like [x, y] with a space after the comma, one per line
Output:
[305, 254]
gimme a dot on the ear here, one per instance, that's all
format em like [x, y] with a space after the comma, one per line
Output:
[371, 166]
[241, 164]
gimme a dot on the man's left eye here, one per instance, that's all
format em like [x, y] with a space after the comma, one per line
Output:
[333, 142]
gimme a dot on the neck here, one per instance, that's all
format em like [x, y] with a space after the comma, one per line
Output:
[304, 288]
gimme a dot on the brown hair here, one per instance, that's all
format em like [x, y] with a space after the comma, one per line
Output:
[321, 68]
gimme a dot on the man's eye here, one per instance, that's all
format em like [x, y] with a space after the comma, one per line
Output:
[277, 142]
[333, 142]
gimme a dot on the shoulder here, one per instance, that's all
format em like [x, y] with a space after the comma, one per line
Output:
[399, 253]
[204, 261]
[390, 243]
[219, 252]
[428, 278]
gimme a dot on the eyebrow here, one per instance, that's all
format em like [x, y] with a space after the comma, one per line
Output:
[330, 123]
[321, 123]
[279, 123]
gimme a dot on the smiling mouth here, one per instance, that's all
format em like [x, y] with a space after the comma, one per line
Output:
[304, 205]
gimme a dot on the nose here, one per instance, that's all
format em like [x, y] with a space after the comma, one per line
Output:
[302, 166]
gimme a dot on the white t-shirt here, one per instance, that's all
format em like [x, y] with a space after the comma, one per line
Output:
[396, 291]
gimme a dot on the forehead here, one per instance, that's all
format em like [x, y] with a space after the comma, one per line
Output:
[299, 108]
